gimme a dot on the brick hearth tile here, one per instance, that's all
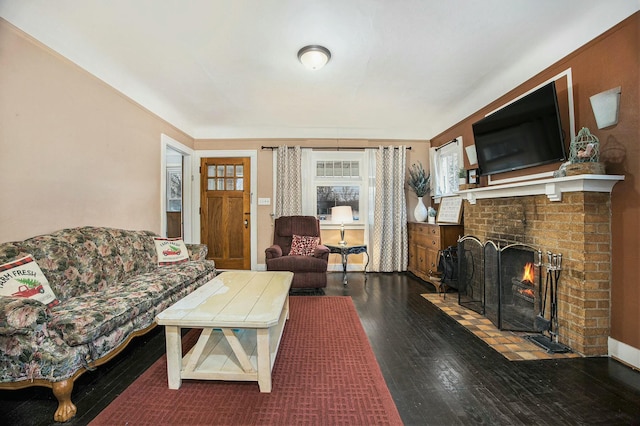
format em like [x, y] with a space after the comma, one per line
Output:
[513, 346]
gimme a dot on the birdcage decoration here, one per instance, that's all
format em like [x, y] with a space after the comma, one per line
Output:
[585, 148]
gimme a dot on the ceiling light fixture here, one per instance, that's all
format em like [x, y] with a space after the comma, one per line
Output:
[314, 57]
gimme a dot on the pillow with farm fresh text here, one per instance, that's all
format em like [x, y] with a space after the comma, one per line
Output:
[24, 278]
[171, 250]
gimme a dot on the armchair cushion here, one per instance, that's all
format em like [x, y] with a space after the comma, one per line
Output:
[303, 245]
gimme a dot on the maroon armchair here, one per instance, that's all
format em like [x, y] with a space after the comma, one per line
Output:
[309, 271]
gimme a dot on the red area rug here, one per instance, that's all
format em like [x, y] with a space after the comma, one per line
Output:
[325, 374]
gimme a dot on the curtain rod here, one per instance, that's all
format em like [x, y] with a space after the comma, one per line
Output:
[445, 144]
[334, 148]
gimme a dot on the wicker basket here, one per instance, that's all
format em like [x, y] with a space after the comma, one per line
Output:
[589, 168]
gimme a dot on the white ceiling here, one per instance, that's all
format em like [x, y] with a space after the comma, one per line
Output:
[400, 69]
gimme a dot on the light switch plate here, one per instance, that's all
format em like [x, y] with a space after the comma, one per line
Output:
[264, 201]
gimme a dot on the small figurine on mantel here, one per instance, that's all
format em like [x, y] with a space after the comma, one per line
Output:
[584, 156]
[432, 213]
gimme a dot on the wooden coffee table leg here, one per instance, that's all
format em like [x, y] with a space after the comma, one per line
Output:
[174, 356]
[264, 360]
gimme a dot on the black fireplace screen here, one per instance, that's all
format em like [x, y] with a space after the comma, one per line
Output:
[501, 283]
[471, 274]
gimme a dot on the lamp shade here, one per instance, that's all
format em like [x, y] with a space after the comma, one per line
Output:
[341, 214]
[314, 57]
[605, 106]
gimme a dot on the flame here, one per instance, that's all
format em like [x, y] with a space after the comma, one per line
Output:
[527, 275]
[528, 292]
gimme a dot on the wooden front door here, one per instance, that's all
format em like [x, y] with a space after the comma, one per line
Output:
[225, 222]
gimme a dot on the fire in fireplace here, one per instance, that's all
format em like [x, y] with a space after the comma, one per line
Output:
[524, 288]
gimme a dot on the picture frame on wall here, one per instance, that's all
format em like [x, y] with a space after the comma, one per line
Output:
[472, 176]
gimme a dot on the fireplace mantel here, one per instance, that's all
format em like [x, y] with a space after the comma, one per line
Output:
[552, 187]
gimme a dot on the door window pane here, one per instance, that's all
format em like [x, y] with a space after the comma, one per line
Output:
[239, 171]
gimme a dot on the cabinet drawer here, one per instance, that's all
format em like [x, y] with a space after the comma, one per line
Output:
[433, 242]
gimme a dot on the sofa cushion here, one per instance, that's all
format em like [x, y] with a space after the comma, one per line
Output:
[85, 318]
[24, 278]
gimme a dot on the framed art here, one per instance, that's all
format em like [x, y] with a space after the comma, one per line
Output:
[472, 176]
[450, 210]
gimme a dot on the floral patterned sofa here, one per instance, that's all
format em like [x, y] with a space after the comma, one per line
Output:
[110, 288]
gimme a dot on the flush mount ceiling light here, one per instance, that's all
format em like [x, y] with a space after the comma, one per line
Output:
[314, 57]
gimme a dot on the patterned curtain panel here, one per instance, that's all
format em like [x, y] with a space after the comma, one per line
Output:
[288, 181]
[389, 237]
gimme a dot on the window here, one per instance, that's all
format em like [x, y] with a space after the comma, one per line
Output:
[331, 196]
[445, 164]
[338, 180]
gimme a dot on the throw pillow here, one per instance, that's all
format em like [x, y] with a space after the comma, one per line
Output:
[302, 245]
[171, 250]
[24, 278]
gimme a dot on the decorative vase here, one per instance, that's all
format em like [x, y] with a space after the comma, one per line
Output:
[432, 219]
[420, 212]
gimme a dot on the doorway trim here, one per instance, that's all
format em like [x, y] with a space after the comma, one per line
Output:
[195, 193]
[187, 183]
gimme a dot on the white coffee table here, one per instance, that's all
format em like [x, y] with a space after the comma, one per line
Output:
[242, 315]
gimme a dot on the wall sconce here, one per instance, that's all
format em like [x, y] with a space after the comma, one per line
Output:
[341, 215]
[605, 106]
[314, 57]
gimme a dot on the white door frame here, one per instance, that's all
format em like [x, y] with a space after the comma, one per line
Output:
[244, 153]
[187, 183]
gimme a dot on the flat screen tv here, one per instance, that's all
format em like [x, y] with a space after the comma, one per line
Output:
[525, 133]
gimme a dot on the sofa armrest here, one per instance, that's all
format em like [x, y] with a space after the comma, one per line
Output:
[273, 252]
[197, 251]
[322, 252]
[19, 315]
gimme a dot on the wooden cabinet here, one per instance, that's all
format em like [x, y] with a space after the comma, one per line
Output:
[425, 242]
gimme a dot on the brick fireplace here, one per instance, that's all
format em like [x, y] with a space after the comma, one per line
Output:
[572, 216]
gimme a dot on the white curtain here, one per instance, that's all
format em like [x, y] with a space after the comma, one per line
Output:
[288, 181]
[389, 231]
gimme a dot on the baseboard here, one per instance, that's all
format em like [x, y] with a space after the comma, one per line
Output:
[624, 353]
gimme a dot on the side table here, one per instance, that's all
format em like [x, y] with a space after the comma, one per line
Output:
[345, 251]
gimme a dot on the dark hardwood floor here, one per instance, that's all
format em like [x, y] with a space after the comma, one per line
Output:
[437, 371]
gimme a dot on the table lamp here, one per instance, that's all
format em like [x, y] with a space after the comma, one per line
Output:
[341, 215]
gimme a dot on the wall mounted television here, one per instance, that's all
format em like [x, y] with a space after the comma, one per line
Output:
[525, 133]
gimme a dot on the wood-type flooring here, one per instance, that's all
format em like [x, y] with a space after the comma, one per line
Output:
[438, 372]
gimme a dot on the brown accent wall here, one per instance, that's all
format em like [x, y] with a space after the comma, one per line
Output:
[74, 151]
[608, 61]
